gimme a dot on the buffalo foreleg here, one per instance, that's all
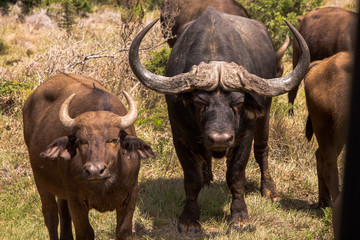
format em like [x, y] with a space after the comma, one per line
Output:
[124, 215]
[235, 178]
[79, 213]
[193, 181]
[261, 152]
[50, 212]
[65, 220]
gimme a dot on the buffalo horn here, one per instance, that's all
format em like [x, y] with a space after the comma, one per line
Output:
[183, 82]
[126, 121]
[275, 86]
[281, 51]
[204, 76]
[65, 119]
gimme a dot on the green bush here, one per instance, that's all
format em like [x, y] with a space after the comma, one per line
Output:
[79, 6]
[71, 8]
[273, 12]
[153, 4]
[158, 61]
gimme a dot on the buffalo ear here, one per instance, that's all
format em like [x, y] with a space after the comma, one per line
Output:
[253, 109]
[63, 147]
[135, 148]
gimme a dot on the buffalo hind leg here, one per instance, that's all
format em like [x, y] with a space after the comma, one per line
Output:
[193, 181]
[65, 220]
[291, 99]
[328, 178]
[261, 152]
[235, 178]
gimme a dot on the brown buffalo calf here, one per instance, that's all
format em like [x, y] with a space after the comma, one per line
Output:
[327, 91]
[84, 151]
[327, 31]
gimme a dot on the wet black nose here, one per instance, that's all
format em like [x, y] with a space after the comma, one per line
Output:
[220, 139]
[95, 171]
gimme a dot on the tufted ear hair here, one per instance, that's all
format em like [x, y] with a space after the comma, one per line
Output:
[63, 147]
[135, 148]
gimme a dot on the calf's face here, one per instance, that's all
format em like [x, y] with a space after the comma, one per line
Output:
[96, 147]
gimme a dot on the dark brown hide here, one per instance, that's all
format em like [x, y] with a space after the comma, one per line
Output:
[336, 216]
[209, 119]
[327, 97]
[177, 14]
[93, 165]
[327, 31]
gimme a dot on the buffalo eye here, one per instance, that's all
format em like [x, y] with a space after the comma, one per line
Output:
[114, 141]
[237, 103]
[201, 101]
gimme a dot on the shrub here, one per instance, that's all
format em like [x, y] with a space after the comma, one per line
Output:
[273, 12]
[158, 61]
[153, 4]
[71, 8]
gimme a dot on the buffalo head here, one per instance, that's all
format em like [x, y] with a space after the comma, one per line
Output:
[218, 115]
[97, 142]
[220, 92]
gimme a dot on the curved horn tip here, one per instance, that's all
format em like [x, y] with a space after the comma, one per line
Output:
[130, 100]
[289, 25]
[287, 39]
[70, 98]
[64, 117]
[153, 22]
[129, 119]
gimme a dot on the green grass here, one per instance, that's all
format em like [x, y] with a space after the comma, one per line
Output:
[161, 192]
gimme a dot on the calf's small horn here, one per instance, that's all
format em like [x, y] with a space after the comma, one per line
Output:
[65, 119]
[129, 119]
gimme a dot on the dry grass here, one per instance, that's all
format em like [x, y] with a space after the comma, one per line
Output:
[98, 47]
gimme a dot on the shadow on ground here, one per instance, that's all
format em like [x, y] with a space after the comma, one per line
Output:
[161, 201]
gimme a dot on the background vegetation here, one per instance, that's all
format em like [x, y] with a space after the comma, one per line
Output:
[35, 45]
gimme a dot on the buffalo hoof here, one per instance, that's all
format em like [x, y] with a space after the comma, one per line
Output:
[273, 195]
[276, 199]
[191, 228]
[320, 205]
[291, 112]
[241, 227]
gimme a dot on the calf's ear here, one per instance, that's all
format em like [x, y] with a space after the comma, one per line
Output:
[63, 147]
[135, 148]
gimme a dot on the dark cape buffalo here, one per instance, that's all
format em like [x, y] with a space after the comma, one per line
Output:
[221, 75]
[84, 154]
[178, 14]
[327, 31]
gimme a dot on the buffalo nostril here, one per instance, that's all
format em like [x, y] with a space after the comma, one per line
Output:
[222, 138]
[230, 139]
[94, 170]
[102, 170]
